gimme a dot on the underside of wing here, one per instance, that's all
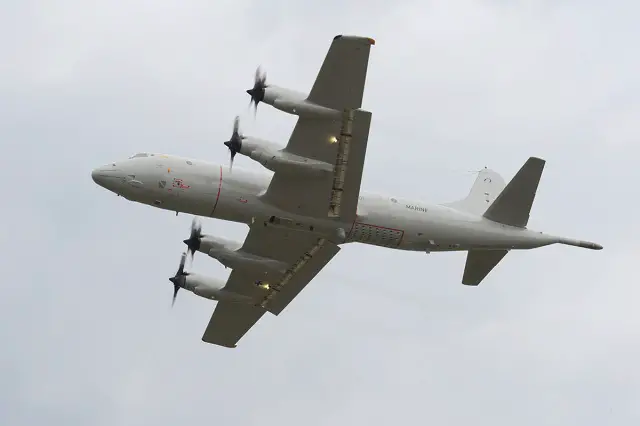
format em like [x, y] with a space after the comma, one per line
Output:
[272, 289]
[341, 79]
[229, 322]
[341, 143]
[310, 194]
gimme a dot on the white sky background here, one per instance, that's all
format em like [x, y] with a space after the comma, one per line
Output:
[551, 337]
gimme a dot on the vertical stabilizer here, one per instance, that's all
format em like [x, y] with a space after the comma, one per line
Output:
[484, 191]
[514, 203]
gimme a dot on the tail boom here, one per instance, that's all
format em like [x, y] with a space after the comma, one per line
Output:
[580, 243]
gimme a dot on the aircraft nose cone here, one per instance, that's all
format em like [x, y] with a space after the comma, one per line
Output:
[95, 175]
[104, 177]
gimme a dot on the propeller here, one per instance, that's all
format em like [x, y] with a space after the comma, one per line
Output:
[179, 279]
[193, 242]
[235, 143]
[257, 92]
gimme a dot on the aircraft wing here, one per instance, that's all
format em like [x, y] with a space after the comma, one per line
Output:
[303, 255]
[339, 85]
[340, 81]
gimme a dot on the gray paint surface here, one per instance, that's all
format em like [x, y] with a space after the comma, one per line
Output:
[89, 337]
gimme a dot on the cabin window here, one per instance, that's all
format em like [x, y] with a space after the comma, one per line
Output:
[140, 154]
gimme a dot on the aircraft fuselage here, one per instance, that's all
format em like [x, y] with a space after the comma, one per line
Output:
[205, 189]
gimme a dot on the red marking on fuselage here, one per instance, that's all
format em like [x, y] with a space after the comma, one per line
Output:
[179, 183]
[351, 229]
[355, 222]
[218, 196]
[380, 227]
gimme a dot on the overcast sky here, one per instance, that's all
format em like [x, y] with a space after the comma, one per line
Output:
[551, 337]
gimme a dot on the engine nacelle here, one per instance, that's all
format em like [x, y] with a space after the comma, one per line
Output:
[273, 158]
[307, 109]
[207, 242]
[212, 288]
[280, 161]
[239, 259]
[296, 103]
[229, 254]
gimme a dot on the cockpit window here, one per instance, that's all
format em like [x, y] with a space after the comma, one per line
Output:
[140, 154]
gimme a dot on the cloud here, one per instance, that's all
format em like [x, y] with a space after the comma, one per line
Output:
[550, 337]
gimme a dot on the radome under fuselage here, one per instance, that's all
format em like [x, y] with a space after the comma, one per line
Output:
[204, 189]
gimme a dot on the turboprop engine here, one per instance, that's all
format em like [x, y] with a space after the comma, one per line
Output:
[203, 286]
[270, 155]
[228, 252]
[286, 100]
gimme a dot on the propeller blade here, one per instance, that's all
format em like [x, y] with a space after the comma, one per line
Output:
[196, 228]
[236, 126]
[193, 243]
[261, 77]
[181, 267]
[235, 143]
[178, 279]
[258, 89]
[175, 294]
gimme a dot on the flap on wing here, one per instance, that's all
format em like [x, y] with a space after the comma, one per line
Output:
[341, 79]
[229, 322]
[310, 195]
[301, 274]
[304, 253]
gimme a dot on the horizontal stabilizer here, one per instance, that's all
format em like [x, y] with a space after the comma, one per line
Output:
[479, 264]
[513, 205]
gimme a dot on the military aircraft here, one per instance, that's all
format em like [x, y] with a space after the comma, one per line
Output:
[308, 202]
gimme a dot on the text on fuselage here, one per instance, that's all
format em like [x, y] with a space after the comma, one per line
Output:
[416, 208]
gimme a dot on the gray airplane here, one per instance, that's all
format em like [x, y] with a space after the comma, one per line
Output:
[309, 202]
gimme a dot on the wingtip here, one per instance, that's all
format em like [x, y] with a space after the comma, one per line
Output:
[223, 345]
[369, 40]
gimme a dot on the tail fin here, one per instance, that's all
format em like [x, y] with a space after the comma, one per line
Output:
[484, 191]
[513, 205]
